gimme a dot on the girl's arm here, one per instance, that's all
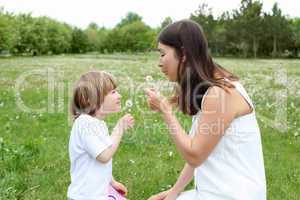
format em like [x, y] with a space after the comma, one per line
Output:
[218, 112]
[123, 124]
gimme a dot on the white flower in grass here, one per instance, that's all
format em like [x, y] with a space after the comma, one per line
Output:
[129, 103]
[149, 78]
[293, 105]
[131, 161]
[170, 153]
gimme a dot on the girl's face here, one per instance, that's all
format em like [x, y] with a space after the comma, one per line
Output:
[111, 103]
[168, 61]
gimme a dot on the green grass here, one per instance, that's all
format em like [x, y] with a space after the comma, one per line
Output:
[34, 160]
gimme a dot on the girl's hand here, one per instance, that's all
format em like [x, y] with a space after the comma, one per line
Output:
[126, 122]
[158, 102]
[119, 187]
[160, 196]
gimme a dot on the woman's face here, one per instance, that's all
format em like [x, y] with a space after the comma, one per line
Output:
[168, 61]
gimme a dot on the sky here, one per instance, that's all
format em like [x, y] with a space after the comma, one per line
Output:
[108, 13]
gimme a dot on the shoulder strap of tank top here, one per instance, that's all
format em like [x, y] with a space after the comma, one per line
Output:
[240, 88]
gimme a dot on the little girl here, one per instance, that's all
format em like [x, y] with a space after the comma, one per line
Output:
[91, 148]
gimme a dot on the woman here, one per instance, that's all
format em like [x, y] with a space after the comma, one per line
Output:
[223, 151]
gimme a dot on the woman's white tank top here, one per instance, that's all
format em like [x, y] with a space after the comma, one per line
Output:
[235, 168]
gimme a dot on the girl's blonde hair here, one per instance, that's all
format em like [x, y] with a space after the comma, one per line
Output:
[89, 92]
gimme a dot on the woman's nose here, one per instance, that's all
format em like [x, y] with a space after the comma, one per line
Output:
[159, 64]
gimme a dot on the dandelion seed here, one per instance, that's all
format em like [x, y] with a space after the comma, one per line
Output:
[129, 103]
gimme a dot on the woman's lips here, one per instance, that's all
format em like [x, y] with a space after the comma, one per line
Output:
[165, 72]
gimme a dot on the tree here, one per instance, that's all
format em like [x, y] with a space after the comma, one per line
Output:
[166, 22]
[133, 37]
[295, 25]
[278, 27]
[8, 33]
[59, 37]
[92, 36]
[249, 20]
[204, 17]
[130, 18]
[79, 42]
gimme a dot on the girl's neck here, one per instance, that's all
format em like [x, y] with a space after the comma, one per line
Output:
[100, 115]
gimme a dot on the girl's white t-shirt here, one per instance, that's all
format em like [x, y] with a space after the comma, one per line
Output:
[89, 178]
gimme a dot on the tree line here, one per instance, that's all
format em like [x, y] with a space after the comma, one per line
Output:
[244, 32]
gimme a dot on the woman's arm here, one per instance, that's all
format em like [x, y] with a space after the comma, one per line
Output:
[217, 114]
[183, 180]
[185, 177]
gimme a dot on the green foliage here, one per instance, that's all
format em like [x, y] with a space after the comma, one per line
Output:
[133, 37]
[244, 32]
[79, 42]
[131, 17]
[8, 33]
[166, 22]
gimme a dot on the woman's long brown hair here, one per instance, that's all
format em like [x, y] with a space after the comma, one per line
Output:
[198, 71]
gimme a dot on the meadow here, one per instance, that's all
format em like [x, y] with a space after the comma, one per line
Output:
[35, 123]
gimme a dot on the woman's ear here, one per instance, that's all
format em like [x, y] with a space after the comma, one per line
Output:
[183, 53]
[183, 58]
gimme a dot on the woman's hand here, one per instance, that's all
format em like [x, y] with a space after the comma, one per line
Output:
[165, 195]
[172, 195]
[157, 102]
[160, 196]
[119, 187]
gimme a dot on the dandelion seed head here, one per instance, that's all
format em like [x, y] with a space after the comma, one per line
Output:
[149, 78]
[129, 103]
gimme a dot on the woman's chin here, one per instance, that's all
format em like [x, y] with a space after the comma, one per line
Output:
[171, 79]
